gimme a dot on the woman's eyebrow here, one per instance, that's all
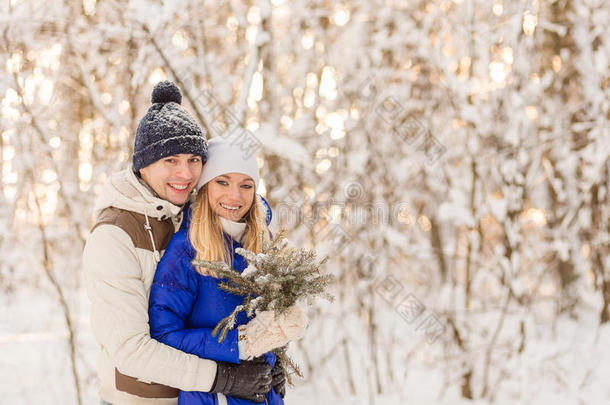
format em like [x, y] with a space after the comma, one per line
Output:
[228, 177]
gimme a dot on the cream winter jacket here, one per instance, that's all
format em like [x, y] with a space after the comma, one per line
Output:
[132, 229]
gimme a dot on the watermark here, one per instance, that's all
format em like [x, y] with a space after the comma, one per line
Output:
[221, 121]
[404, 303]
[338, 236]
[333, 214]
[319, 217]
[410, 130]
[353, 190]
[245, 139]
[410, 308]
[349, 208]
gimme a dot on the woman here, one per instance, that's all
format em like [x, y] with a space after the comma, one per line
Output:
[186, 303]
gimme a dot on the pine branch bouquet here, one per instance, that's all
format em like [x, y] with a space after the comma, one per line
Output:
[273, 281]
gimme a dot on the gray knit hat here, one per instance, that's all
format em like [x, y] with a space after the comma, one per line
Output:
[167, 129]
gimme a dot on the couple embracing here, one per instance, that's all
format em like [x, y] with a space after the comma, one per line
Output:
[152, 313]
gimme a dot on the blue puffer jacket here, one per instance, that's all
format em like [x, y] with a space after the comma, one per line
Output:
[185, 306]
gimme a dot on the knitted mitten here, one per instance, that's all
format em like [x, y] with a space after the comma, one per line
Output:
[266, 331]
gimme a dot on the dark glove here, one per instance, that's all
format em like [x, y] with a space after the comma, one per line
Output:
[278, 379]
[249, 380]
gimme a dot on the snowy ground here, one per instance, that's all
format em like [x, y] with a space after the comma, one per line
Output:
[565, 364]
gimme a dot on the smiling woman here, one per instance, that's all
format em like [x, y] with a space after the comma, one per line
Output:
[186, 304]
[231, 195]
[226, 201]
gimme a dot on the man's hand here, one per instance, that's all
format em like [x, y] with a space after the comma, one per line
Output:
[278, 379]
[248, 380]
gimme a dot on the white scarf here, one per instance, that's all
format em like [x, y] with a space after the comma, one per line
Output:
[235, 230]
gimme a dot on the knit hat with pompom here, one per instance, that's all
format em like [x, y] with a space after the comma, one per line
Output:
[167, 129]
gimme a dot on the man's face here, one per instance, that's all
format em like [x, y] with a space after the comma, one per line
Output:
[173, 177]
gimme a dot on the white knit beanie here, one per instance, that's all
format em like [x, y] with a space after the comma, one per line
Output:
[226, 157]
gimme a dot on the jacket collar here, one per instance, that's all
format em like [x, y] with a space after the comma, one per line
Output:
[124, 190]
[235, 230]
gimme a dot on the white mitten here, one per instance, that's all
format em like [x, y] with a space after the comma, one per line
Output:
[266, 332]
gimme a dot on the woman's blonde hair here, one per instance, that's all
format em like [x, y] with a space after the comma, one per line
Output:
[206, 233]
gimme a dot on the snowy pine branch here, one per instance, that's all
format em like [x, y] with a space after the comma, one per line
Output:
[274, 280]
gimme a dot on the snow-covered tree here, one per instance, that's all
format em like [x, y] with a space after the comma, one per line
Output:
[451, 157]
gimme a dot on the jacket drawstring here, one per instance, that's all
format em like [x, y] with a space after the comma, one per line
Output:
[156, 254]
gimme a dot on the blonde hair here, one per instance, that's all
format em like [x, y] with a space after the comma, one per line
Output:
[206, 233]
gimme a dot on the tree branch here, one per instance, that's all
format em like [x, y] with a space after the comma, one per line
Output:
[199, 114]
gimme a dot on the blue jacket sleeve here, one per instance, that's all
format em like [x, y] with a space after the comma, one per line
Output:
[172, 297]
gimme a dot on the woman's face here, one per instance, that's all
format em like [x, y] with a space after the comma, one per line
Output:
[231, 195]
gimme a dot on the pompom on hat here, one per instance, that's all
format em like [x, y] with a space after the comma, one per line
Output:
[167, 129]
[225, 157]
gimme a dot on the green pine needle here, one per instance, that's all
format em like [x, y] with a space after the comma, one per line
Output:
[283, 275]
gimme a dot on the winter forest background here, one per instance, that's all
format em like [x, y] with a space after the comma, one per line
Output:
[451, 157]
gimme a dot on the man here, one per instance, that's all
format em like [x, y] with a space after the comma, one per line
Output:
[137, 212]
